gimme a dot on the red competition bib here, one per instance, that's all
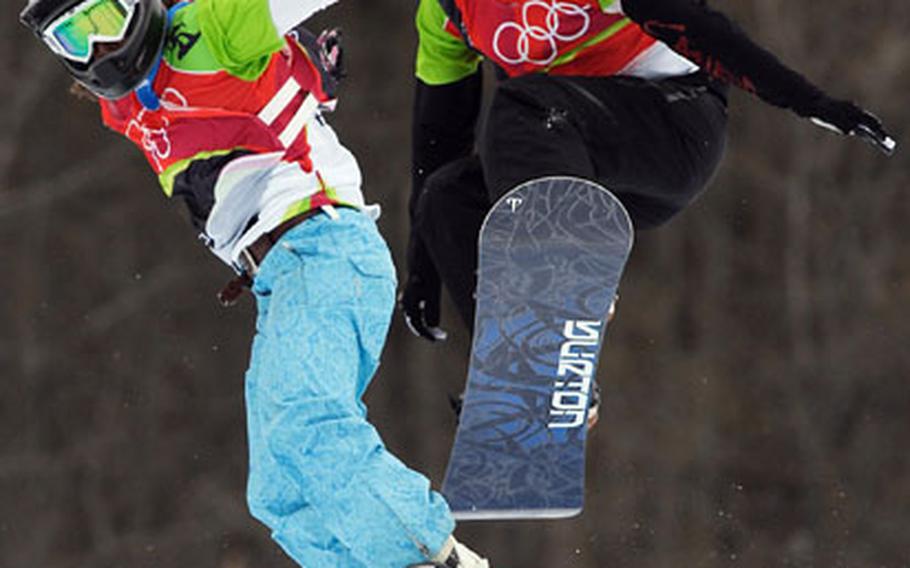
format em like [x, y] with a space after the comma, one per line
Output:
[563, 37]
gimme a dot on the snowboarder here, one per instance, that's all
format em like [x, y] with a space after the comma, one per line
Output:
[224, 98]
[627, 93]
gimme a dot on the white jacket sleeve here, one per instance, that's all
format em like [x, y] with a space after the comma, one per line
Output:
[288, 13]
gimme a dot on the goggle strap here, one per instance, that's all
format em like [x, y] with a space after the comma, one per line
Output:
[145, 92]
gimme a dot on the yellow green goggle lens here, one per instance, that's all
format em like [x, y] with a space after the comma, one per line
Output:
[73, 34]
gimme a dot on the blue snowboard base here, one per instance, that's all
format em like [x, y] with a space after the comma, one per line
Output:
[552, 252]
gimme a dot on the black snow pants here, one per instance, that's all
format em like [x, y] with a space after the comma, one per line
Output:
[655, 144]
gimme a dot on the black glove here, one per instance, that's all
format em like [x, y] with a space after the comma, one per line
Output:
[331, 53]
[420, 299]
[845, 117]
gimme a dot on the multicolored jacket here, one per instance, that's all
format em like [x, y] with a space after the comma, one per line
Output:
[239, 133]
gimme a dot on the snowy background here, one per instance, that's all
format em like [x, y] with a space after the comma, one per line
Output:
[756, 380]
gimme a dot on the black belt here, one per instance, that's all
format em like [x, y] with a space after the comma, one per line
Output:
[252, 256]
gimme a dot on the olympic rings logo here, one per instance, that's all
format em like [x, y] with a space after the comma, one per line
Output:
[154, 137]
[536, 41]
[155, 141]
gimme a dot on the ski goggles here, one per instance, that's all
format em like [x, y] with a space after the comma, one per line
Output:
[74, 34]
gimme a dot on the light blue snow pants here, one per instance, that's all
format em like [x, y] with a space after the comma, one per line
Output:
[320, 477]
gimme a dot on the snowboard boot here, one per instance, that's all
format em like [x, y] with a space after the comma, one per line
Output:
[454, 555]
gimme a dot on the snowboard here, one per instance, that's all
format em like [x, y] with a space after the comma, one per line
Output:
[551, 254]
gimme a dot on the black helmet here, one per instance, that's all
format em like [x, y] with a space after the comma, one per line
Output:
[114, 74]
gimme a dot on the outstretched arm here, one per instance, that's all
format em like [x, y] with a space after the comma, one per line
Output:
[715, 43]
[446, 109]
[443, 127]
[242, 34]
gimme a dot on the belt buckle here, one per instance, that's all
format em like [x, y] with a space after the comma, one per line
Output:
[248, 262]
